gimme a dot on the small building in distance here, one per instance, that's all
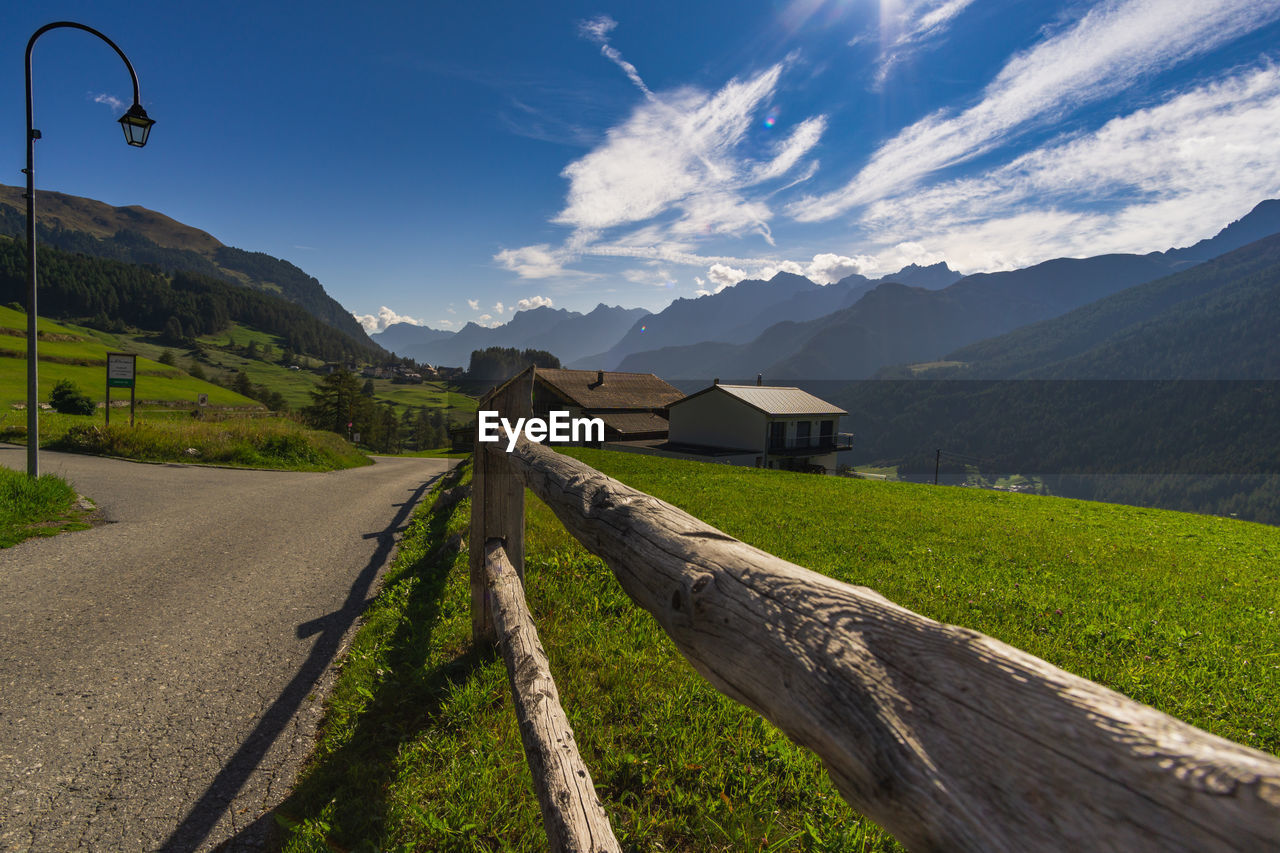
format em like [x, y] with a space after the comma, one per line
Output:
[633, 406]
[762, 426]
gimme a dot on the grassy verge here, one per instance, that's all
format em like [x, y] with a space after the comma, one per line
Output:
[420, 749]
[436, 453]
[247, 443]
[40, 507]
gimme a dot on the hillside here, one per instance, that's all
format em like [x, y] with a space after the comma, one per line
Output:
[1164, 394]
[140, 236]
[79, 355]
[183, 305]
[1218, 320]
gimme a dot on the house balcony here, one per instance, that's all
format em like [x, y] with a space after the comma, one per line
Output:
[813, 444]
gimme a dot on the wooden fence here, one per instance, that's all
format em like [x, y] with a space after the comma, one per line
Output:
[951, 740]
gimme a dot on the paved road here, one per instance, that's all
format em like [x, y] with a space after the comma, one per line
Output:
[159, 674]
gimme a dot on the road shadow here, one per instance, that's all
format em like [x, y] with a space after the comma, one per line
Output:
[331, 628]
[404, 703]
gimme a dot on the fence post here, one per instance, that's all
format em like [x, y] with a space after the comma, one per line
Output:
[497, 501]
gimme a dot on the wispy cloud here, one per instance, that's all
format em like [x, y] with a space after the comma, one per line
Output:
[385, 317]
[110, 100]
[681, 168]
[908, 26]
[655, 277]
[1098, 56]
[685, 151]
[473, 304]
[1162, 176]
[597, 30]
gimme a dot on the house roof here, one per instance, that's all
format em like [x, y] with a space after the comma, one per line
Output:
[617, 391]
[775, 400]
[634, 423]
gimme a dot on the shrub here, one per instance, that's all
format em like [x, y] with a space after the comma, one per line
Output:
[67, 399]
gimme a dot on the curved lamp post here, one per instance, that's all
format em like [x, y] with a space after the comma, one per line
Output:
[136, 129]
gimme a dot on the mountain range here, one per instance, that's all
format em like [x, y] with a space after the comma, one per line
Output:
[566, 334]
[1216, 320]
[891, 323]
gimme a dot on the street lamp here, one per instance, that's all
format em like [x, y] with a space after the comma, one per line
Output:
[137, 126]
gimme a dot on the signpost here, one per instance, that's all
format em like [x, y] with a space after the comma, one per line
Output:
[122, 367]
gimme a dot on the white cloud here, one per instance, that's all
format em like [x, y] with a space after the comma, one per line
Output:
[498, 308]
[723, 276]
[829, 267]
[445, 324]
[110, 100]
[1100, 55]
[385, 317]
[789, 151]
[484, 318]
[540, 261]
[1163, 176]
[473, 304]
[906, 26]
[685, 150]
[533, 302]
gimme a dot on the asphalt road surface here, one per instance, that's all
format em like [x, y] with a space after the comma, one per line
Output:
[161, 675]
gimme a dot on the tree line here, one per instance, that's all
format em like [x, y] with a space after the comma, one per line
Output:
[341, 404]
[498, 364]
[184, 305]
[133, 247]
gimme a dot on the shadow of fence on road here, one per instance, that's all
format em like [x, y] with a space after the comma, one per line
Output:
[218, 797]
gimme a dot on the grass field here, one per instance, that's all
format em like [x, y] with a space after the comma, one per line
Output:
[296, 385]
[80, 355]
[420, 749]
[276, 443]
[40, 507]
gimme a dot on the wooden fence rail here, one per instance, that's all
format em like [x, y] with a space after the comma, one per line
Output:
[571, 811]
[948, 738]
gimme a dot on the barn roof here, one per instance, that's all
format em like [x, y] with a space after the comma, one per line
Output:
[616, 391]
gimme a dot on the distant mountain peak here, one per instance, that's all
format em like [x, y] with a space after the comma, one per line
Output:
[933, 277]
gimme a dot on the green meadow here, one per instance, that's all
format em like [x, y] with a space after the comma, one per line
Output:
[224, 355]
[420, 749]
[164, 427]
[80, 355]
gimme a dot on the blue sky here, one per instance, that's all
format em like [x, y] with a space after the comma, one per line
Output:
[446, 163]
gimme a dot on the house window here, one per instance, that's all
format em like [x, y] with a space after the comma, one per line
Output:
[803, 429]
[826, 433]
[777, 435]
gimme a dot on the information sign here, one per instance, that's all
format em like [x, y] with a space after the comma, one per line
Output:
[120, 369]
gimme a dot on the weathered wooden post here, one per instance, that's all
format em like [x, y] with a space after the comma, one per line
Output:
[497, 501]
